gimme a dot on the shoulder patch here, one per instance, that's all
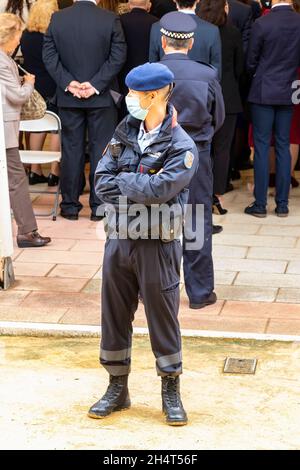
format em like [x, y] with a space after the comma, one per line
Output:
[188, 159]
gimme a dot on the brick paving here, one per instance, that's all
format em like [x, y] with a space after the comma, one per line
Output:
[257, 271]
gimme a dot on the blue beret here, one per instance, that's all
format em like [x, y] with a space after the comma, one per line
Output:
[178, 25]
[148, 77]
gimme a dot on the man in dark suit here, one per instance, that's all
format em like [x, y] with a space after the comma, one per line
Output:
[273, 59]
[160, 7]
[240, 15]
[198, 99]
[84, 50]
[136, 26]
[207, 42]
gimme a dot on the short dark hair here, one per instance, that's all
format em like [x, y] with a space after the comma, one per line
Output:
[186, 3]
[177, 43]
[213, 11]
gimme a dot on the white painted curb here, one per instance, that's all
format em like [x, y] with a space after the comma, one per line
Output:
[59, 330]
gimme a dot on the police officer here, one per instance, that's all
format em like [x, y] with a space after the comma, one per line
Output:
[150, 161]
[198, 98]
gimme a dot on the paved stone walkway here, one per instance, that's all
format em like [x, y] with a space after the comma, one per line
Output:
[257, 263]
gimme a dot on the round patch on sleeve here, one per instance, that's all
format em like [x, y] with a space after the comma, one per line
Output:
[188, 160]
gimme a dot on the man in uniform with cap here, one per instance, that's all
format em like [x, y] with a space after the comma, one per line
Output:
[207, 38]
[198, 99]
[150, 161]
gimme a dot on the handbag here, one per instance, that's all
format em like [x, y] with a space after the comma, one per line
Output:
[35, 107]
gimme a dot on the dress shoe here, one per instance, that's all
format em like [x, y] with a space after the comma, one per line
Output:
[34, 178]
[53, 180]
[96, 218]
[282, 211]
[217, 206]
[256, 211]
[217, 229]
[116, 398]
[32, 239]
[65, 215]
[171, 402]
[211, 299]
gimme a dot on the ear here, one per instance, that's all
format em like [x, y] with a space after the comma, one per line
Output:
[191, 43]
[163, 42]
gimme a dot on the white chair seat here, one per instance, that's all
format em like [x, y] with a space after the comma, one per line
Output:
[50, 122]
[39, 157]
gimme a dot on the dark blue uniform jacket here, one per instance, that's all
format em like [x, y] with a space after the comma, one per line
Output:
[197, 96]
[134, 174]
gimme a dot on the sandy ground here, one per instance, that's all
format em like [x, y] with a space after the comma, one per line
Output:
[48, 384]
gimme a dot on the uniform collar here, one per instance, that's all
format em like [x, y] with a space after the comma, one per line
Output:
[85, 1]
[175, 55]
[187, 11]
[128, 129]
[279, 6]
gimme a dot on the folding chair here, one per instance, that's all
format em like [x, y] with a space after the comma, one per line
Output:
[50, 122]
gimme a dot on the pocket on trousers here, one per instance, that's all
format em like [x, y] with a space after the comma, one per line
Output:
[170, 258]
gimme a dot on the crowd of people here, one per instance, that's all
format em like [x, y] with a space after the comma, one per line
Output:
[165, 100]
[132, 38]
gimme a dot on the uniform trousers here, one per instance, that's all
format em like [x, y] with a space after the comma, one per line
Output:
[152, 268]
[99, 124]
[19, 193]
[198, 264]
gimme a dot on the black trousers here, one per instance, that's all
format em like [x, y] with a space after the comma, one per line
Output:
[152, 268]
[99, 124]
[198, 263]
[221, 146]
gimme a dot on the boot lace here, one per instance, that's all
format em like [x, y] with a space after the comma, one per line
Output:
[173, 397]
[113, 390]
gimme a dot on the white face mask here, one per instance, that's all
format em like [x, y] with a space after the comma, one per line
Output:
[135, 109]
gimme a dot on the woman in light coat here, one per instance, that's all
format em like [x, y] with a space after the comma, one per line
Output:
[14, 95]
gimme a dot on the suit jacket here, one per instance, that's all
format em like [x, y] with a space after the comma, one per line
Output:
[84, 43]
[274, 56]
[160, 7]
[232, 67]
[137, 26]
[197, 96]
[206, 48]
[14, 95]
[240, 15]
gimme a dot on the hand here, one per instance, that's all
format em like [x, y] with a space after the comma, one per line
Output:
[29, 78]
[86, 86]
[74, 88]
[87, 90]
[87, 93]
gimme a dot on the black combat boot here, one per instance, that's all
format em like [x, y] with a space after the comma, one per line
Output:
[116, 398]
[171, 402]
